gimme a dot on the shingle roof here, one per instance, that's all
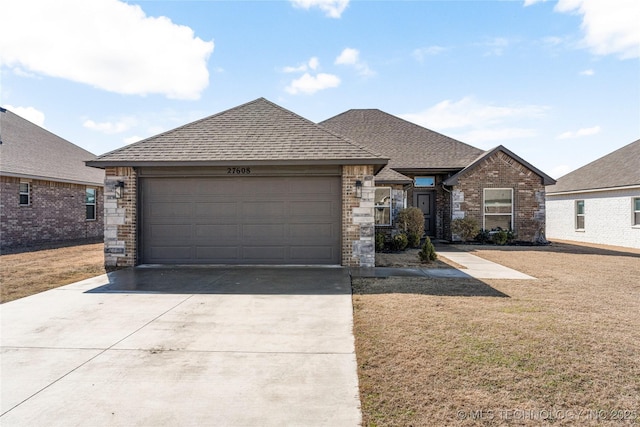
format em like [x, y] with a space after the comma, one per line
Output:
[258, 131]
[620, 168]
[453, 180]
[408, 145]
[388, 175]
[29, 151]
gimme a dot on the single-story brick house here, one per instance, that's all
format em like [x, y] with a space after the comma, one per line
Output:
[599, 202]
[445, 178]
[48, 193]
[258, 184]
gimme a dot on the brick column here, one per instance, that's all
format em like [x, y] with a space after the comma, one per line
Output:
[358, 222]
[120, 218]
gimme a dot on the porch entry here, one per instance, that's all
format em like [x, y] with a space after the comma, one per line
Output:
[426, 202]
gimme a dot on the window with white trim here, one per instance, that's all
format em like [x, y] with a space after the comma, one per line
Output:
[498, 208]
[383, 205]
[25, 194]
[90, 203]
[579, 214]
[636, 211]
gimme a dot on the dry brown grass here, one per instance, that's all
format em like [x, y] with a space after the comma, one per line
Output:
[27, 273]
[430, 354]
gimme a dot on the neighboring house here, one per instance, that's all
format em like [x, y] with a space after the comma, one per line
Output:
[599, 202]
[256, 184]
[47, 194]
[446, 178]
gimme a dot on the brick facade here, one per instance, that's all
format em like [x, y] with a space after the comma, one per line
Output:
[358, 223]
[121, 218]
[56, 213]
[502, 171]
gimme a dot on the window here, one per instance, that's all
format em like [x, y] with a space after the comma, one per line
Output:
[90, 202]
[25, 194]
[424, 181]
[498, 208]
[579, 214]
[636, 211]
[383, 206]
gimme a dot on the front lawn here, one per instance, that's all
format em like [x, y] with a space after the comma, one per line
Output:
[563, 349]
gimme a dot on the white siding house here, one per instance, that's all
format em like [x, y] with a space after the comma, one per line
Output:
[600, 202]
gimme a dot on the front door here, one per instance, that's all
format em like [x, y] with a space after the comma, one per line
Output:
[426, 202]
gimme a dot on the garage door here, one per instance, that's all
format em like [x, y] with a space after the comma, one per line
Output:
[241, 220]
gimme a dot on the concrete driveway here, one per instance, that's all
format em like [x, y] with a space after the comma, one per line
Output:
[201, 346]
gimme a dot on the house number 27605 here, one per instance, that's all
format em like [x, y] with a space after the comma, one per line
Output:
[238, 171]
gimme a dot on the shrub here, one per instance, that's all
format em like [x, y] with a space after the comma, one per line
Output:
[467, 228]
[483, 236]
[412, 221]
[380, 241]
[414, 239]
[500, 237]
[428, 252]
[399, 242]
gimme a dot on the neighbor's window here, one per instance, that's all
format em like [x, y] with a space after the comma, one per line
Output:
[90, 202]
[498, 208]
[383, 205]
[579, 214]
[636, 211]
[424, 181]
[25, 194]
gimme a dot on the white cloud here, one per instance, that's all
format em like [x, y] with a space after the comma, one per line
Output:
[312, 64]
[332, 8]
[131, 139]
[308, 84]
[530, 2]
[496, 46]
[107, 44]
[420, 53]
[110, 128]
[351, 57]
[588, 72]
[32, 114]
[474, 122]
[348, 56]
[469, 112]
[610, 27]
[580, 133]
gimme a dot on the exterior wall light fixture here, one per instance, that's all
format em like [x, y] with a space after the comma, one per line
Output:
[119, 189]
[359, 189]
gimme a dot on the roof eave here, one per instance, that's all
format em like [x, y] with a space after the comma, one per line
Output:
[53, 179]
[190, 163]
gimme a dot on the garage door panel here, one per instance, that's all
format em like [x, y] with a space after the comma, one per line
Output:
[241, 220]
[312, 252]
[220, 209]
[215, 232]
[171, 253]
[171, 232]
[223, 254]
[259, 254]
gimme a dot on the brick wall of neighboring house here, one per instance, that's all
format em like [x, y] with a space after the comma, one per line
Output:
[56, 213]
[358, 228]
[608, 217]
[502, 171]
[120, 223]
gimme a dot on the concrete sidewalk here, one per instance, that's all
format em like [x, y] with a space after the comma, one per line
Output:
[474, 267]
[189, 346]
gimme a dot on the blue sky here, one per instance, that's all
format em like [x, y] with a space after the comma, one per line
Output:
[557, 82]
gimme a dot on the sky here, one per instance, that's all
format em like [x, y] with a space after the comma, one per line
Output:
[556, 82]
